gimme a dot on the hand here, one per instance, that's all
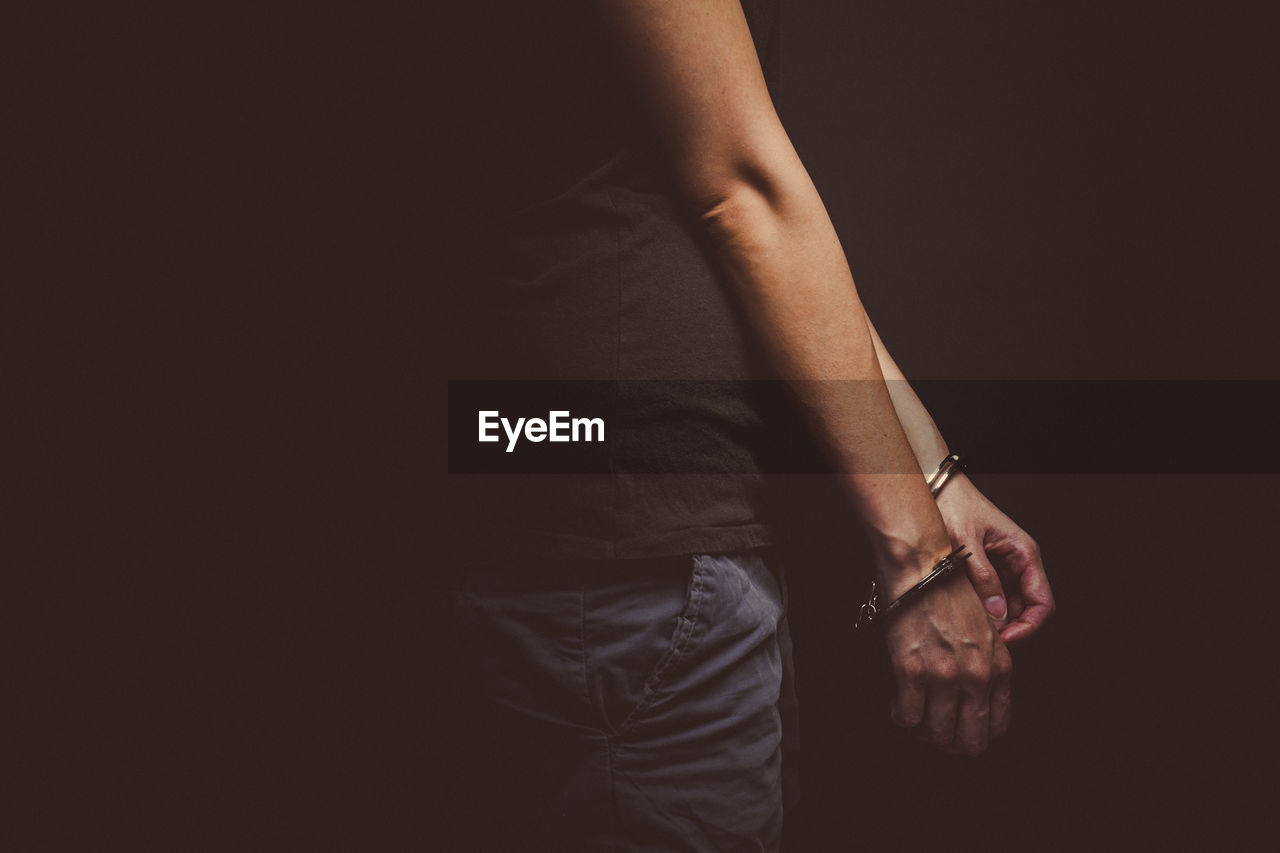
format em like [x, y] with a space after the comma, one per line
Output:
[1005, 567]
[952, 670]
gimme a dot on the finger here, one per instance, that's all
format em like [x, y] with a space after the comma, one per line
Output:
[1001, 701]
[1037, 606]
[973, 723]
[973, 710]
[986, 583]
[1036, 597]
[907, 708]
[1026, 625]
[1015, 604]
[939, 726]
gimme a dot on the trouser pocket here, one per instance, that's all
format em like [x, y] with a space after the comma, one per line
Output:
[723, 647]
[636, 631]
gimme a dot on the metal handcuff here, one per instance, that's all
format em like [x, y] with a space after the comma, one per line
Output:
[870, 613]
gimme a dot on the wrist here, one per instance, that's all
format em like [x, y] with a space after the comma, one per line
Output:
[958, 484]
[959, 500]
[876, 610]
[900, 562]
[928, 449]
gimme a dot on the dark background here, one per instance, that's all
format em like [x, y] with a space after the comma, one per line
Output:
[221, 635]
[1071, 191]
[1047, 192]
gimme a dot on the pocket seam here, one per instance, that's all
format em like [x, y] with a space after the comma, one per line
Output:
[676, 651]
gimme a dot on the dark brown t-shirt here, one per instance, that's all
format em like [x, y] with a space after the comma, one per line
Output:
[578, 265]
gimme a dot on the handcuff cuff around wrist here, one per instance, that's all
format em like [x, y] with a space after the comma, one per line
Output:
[871, 613]
[947, 469]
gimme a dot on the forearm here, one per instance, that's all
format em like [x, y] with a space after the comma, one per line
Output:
[691, 69]
[926, 441]
[780, 254]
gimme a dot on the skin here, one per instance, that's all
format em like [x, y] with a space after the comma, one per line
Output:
[1006, 568]
[691, 69]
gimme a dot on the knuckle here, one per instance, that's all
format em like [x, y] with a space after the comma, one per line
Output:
[946, 672]
[912, 669]
[1002, 666]
[977, 673]
[981, 573]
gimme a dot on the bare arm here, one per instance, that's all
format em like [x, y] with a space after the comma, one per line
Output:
[692, 69]
[1006, 568]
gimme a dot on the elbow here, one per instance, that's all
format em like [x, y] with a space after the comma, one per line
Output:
[738, 217]
[743, 180]
[737, 197]
[749, 208]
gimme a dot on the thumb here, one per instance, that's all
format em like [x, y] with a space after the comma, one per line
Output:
[987, 584]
